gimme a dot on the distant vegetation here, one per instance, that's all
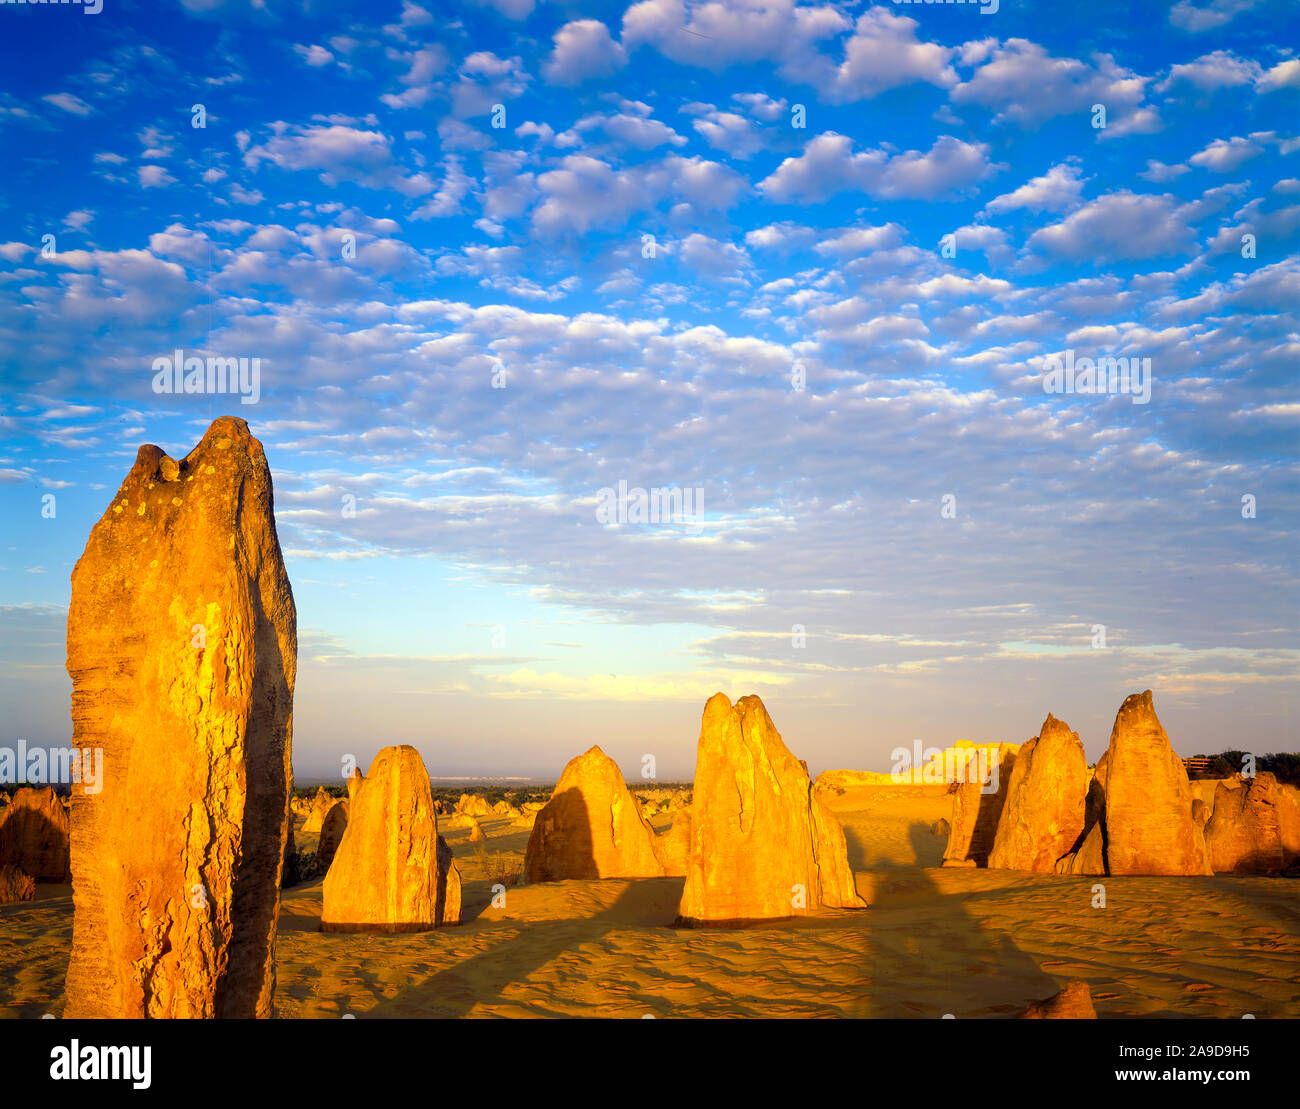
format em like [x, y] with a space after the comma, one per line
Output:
[1285, 766]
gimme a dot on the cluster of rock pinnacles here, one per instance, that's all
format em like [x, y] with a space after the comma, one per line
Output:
[1135, 813]
[182, 650]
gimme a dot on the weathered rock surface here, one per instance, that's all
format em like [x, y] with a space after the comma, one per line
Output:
[1043, 815]
[15, 885]
[354, 782]
[447, 905]
[34, 835]
[1089, 855]
[591, 827]
[1245, 834]
[331, 833]
[320, 807]
[673, 846]
[386, 874]
[182, 649]
[473, 804]
[1072, 1003]
[761, 845]
[1148, 800]
[976, 809]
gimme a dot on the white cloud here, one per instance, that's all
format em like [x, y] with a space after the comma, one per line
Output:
[1118, 225]
[313, 55]
[1225, 155]
[1284, 75]
[1187, 15]
[339, 153]
[1220, 70]
[1027, 85]
[68, 103]
[583, 50]
[828, 165]
[154, 177]
[1055, 191]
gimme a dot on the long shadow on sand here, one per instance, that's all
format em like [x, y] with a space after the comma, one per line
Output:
[929, 957]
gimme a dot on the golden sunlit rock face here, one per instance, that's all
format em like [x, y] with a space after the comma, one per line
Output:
[1255, 826]
[320, 807]
[591, 827]
[674, 846]
[34, 835]
[1072, 1003]
[761, 845]
[1043, 815]
[354, 782]
[1148, 800]
[389, 873]
[182, 649]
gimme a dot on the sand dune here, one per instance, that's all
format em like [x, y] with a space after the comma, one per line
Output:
[974, 943]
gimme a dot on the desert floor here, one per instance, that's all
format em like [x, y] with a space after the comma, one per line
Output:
[973, 943]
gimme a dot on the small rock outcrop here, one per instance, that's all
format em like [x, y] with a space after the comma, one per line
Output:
[592, 827]
[473, 804]
[34, 835]
[182, 650]
[15, 885]
[1253, 829]
[320, 807]
[673, 845]
[1072, 1003]
[389, 873]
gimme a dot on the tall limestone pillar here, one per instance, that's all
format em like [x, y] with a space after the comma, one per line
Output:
[182, 649]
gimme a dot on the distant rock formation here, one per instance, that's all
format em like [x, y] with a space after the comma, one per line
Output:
[15, 885]
[1043, 815]
[386, 874]
[182, 649]
[1072, 1003]
[1255, 828]
[476, 831]
[473, 804]
[761, 845]
[840, 781]
[331, 833]
[673, 846]
[320, 807]
[976, 809]
[1148, 802]
[592, 827]
[34, 835]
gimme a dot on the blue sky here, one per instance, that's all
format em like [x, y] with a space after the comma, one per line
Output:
[685, 211]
